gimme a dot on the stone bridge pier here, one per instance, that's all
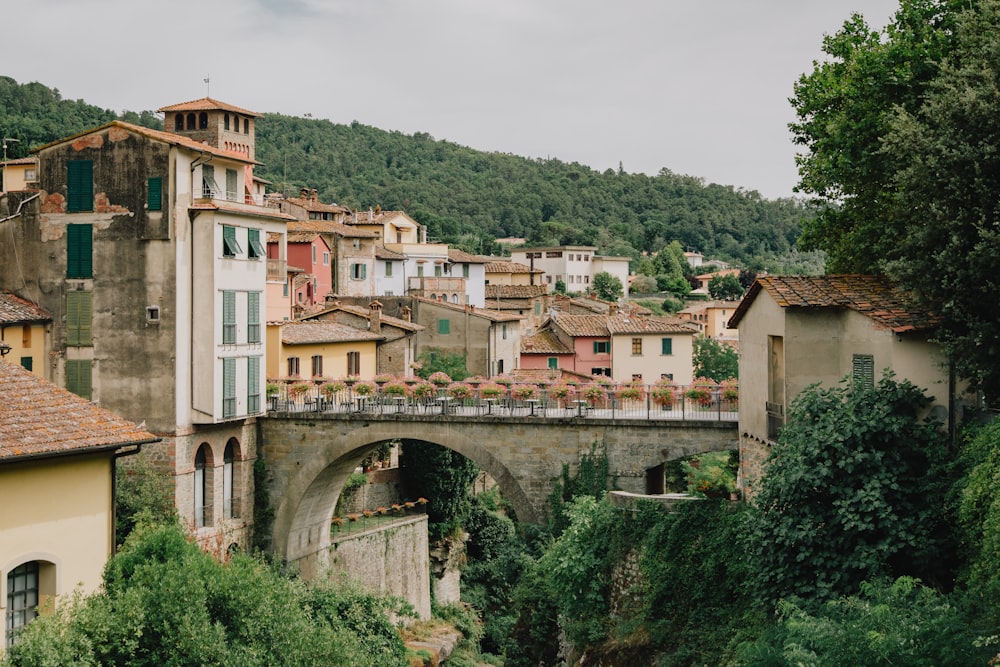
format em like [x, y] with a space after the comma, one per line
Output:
[309, 457]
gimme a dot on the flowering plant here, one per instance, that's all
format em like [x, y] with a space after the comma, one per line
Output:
[298, 389]
[594, 392]
[663, 394]
[475, 380]
[561, 390]
[631, 392]
[333, 387]
[603, 380]
[423, 390]
[504, 380]
[701, 390]
[382, 378]
[523, 391]
[394, 388]
[440, 378]
[731, 390]
[492, 390]
[365, 388]
[459, 390]
[351, 379]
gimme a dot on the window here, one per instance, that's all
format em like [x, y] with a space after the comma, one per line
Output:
[79, 185]
[253, 317]
[548, 279]
[284, 288]
[230, 246]
[79, 251]
[863, 371]
[253, 385]
[225, 122]
[229, 318]
[444, 326]
[229, 387]
[357, 244]
[667, 376]
[246, 126]
[208, 185]
[359, 271]
[503, 331]
[26, 336]
[437, 270]
[314, 254]
[553, 254]
[602, 347]
[637, 378]
[179, 123]
[293, 366]
[388, 269]
[22, 598]
[420, 270]
[231, 184]
[230, 507]
[465, 270]
[601, 371]
[326, 259]
[317, 365]
[202, 497]
[554, 363]
[79, 319]
[79, 377]
[354, 363]
[636, 347]
[538, 307]
[666, 346]
[254, 248]
[454, 298]
[203, 121]
[27, 363]
[154, 194]
[190, 121]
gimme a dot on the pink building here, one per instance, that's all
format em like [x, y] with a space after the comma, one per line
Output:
[308, 252]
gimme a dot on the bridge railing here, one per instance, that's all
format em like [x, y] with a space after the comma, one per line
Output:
[489, 400]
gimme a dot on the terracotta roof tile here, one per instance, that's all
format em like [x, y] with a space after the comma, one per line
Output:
[462, 257]
[317, 206]
[361, 311]
[381, 252]
[631, 324]
[322, 331]
[582, 325]
[329, 227]
[15, 310]
[876, 297]
[543, 342]
[494, 315]
[509, 267]
[207, 104]
[515, 291]
[40, 419]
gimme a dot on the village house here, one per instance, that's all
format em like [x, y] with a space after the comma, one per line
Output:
[504, 272]
[25, 333]
[319, 349]
[18, 174]
[574, 266]
[57, 462]
[796, 331]
[530, 301]
[149, 251]
[488, 340]
[310, 252]
[712, 319]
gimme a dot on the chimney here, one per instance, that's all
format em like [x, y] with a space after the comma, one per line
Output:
[376, 317]
[404, 313]
[315, 195]
[612, 309]
[304, 193]
[332, 300]
[371, 213]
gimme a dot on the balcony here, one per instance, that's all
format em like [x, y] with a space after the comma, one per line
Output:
[277, 270]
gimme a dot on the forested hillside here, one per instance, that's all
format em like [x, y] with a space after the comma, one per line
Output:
[467, 197]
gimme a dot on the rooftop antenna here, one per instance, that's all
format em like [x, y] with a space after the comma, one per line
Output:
[208, 88]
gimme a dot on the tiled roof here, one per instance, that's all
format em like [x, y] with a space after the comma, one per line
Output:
[361, 311]
[302, 237]
[548, 374]
[462, 257]
[543, 342]
[329, 227]
[515, 291]
[242, 209]
[582, 325]
[381, 252]
[40, 419]
[631, 324]
[510, 267]
[158, 135]
[15, 310]
[875, 297]
[207, 104]
[20, 160]
[494, 315]
[380, 217]
[321, 331]
[317, 206]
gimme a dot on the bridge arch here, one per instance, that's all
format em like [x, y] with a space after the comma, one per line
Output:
[310, 456]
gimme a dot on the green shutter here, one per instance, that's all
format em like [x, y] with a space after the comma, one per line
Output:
[253, 385]
[229, 318]
[78, 377]
[228, 387]
[553, 363]
[230, 247]
[154, 194]
[667, 346]
[27, 363]
[79, 251]
[253, 317]
[79, 319]
[79, 185]
[444, 326]
[863, 370]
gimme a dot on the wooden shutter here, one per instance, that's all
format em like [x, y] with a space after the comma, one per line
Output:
[229, 318]
[79, 251]
[79, 377]
[228, 387]
[444, 326]
[154, 194]
[79, 319]
[666, 346]
[79, 185]
[863, 371]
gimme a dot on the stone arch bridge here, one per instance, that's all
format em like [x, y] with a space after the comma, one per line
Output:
[309, 457]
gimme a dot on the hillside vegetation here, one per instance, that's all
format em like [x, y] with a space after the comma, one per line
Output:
[466, 197]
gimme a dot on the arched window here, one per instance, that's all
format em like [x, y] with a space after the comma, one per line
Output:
[22, 598]
[179, 122]
[434, 297]
[246, 126]
[190, 121]
[454, 298]
[202, 486]
[203, 121]
[225, 122]
[230, 497]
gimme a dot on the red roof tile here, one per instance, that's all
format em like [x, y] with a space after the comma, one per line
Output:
[15, 310]
[515, 291]
[543, 342]
[322, 331]
[329, 227]
[40, 419]
[207, 104]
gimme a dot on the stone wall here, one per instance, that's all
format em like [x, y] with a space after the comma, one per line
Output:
[391, 559]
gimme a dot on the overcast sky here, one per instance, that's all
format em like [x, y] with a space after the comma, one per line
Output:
[699, 87]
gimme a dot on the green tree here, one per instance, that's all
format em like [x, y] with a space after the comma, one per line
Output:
[643, 284]
[443, 477]
[607, 286]
[853, 490]
[726, 287]
[715, 360]
[142, 493]
[432, 361]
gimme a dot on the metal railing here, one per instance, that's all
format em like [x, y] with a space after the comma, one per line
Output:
[589, 401]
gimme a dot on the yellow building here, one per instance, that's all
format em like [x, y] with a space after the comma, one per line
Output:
[25, 330]
[19, 174]
[316, 349]
[57, 458]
